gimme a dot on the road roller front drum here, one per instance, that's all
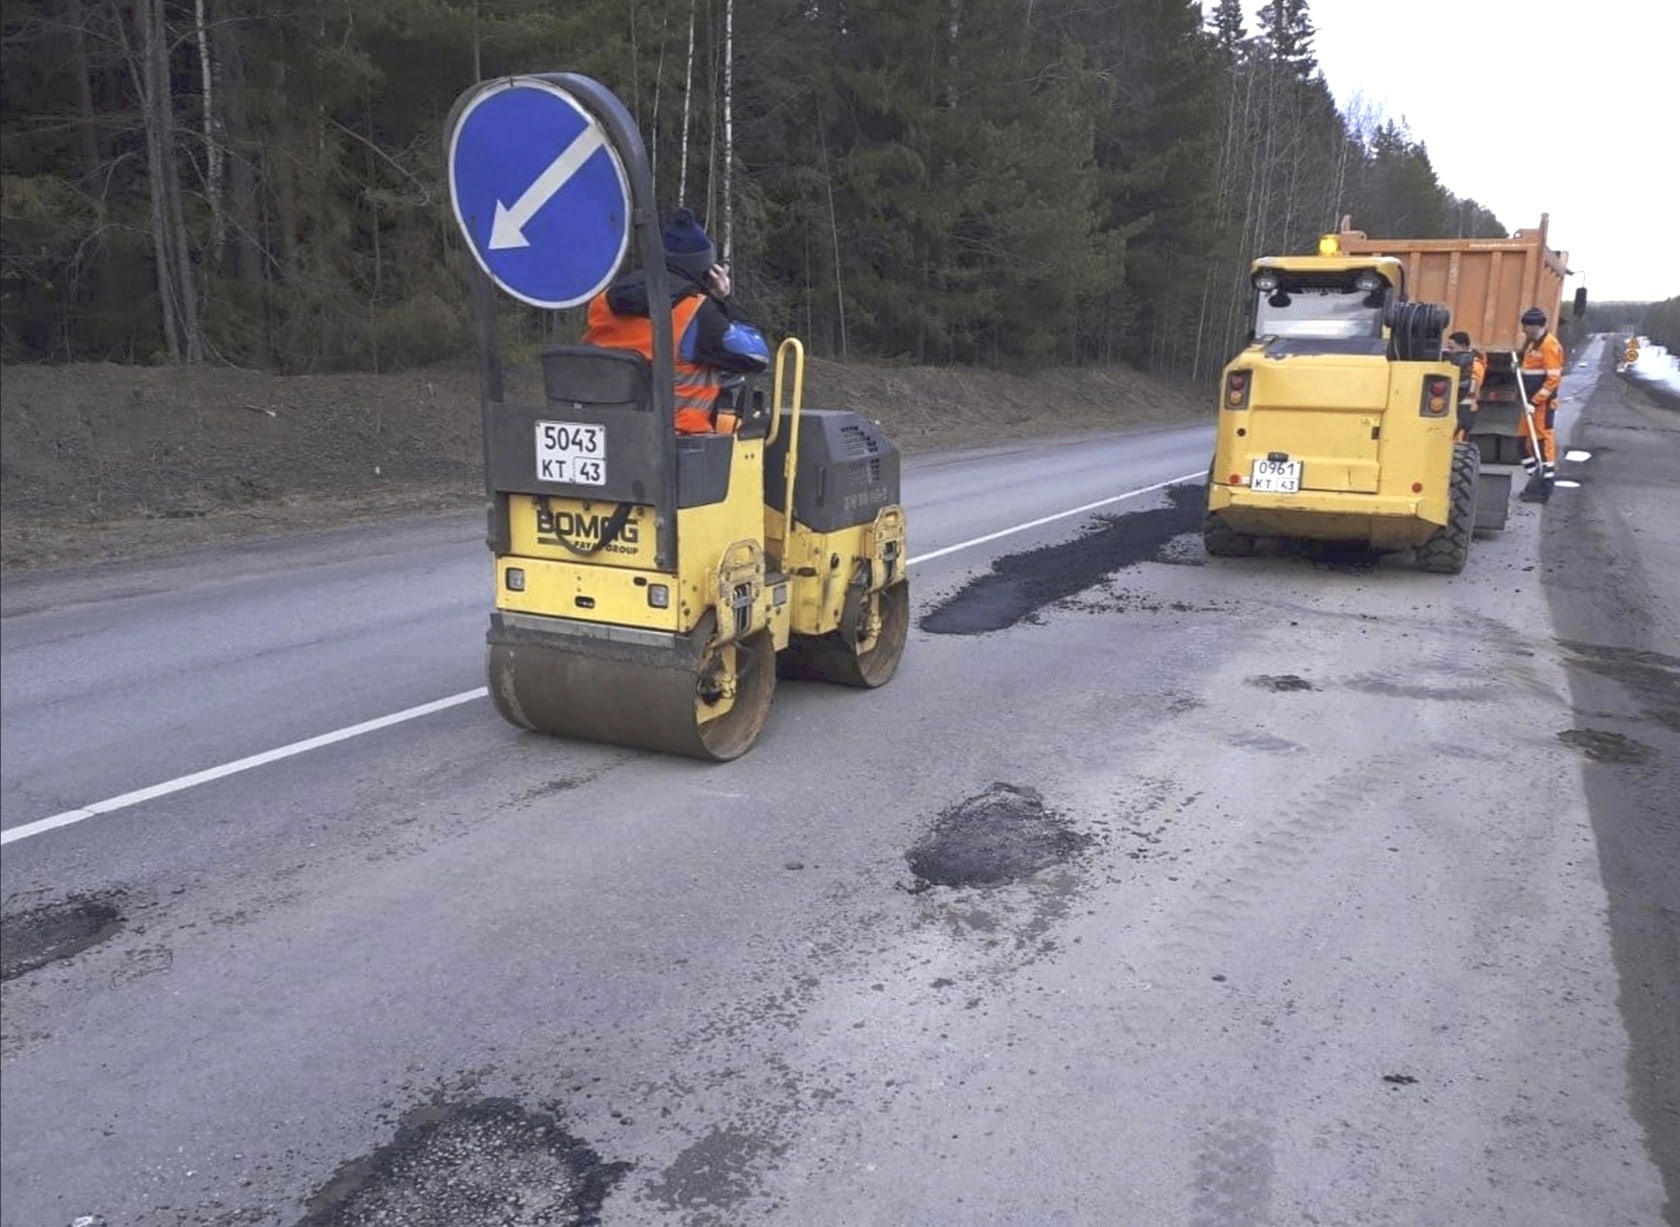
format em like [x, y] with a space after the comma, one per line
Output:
[678, 694]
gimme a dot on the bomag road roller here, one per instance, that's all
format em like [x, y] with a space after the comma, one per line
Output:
[650, 587]
[1337, 421]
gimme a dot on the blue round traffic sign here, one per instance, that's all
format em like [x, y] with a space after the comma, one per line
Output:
[540, 192]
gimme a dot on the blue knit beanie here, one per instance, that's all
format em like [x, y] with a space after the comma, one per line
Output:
[688, 248]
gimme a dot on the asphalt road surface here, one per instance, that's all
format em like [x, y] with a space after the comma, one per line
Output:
[1155, 890]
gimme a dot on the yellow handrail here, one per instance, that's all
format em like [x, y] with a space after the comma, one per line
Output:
[794, 406]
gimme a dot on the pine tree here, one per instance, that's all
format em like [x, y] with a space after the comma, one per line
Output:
[1228, 29]
[1288, 31]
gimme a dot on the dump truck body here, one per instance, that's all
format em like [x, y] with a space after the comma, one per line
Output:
[1486, 285]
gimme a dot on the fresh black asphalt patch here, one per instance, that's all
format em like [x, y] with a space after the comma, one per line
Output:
[1020, 585]
[1002, 835]
[32, 938]
[489, 1163]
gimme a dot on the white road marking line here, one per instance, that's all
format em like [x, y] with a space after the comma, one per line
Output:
[71, 816]
[127, 799]
[1049, 519]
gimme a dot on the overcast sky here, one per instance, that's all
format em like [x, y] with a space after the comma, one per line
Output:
[1488, 86]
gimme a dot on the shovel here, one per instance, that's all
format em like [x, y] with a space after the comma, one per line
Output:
[1537, 482]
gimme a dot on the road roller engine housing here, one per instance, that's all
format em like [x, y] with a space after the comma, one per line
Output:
[1337, 421]
[651, 586]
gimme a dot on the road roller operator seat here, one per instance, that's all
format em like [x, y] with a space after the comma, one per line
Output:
[613, 388]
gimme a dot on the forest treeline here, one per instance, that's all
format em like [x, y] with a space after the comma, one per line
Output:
[1661, 322]
[1001, 182]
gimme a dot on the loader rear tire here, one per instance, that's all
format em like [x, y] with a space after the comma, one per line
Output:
[1448, 550]
[1220, 540]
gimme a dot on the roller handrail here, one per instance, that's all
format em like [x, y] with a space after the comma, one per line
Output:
[797, 401]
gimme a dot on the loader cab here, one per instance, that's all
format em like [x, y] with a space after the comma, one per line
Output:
[1323, 305]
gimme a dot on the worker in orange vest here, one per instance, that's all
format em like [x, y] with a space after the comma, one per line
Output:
[1541, 371]
[709, 341]
[1472, 369]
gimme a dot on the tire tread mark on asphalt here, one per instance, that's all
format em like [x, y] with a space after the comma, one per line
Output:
[1234, 1170]
[1231, 889]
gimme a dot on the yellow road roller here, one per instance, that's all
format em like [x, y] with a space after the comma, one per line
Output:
[650, 587]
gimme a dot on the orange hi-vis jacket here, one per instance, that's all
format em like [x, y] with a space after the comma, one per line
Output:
[1469, 393]
[1470, 380]
[1542, 364]
[697, 386]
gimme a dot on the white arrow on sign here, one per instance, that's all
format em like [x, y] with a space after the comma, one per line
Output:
[508, 229]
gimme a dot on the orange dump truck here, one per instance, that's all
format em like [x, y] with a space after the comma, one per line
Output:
[1487, 284]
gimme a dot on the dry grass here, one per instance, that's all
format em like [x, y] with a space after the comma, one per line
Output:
[99, 461]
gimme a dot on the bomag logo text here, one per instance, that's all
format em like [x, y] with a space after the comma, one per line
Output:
[585, 529]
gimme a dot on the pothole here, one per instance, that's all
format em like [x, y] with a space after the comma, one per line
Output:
[490, 1163]
[1603, 747]
[1281, 682]
[1002, 835]
[1404, 690]
[32, 938]
[1262, 741]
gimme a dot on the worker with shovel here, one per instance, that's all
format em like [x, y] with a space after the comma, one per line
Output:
[1541, 371]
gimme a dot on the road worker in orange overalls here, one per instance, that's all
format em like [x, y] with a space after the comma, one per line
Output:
[1541, 371]
[1472, 369]
[709, 341]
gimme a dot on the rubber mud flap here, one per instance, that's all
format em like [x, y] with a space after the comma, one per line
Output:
[1493, 501]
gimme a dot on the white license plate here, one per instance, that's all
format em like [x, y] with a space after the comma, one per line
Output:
[1276, 476]
[572, 452]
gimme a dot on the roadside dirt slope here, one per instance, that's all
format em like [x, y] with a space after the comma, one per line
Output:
[101, 461]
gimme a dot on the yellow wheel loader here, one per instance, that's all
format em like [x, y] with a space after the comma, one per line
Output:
[1337, 422]
[650, 587]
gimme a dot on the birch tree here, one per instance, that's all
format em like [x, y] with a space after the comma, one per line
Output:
[728, 127]
[688, 100]
[214, 144]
